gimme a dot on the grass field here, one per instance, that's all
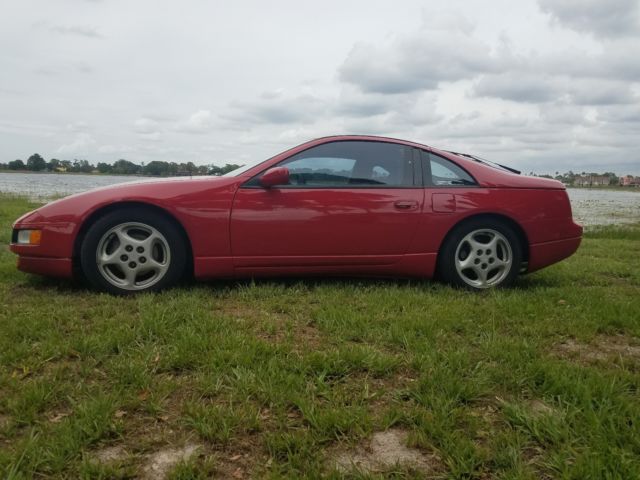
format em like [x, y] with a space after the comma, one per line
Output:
[296, 378]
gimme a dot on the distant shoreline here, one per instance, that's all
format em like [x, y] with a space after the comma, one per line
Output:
[98, 174]
[31, 172]
[617, 188]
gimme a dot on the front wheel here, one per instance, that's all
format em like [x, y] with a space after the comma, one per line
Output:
[481, 254]
[132, 250]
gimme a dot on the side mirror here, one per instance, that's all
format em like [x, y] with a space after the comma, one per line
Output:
[275, 176]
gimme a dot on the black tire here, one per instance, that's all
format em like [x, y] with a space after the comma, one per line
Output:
[172, 246]
[451, 268]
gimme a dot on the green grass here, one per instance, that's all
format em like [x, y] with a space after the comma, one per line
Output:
[275, 377]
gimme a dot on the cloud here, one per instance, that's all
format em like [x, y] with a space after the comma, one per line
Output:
[518, 87]
[614, 61]
[276, 107]
[354, 102]
[198, 122]
[620, 114]
[146, 125]
[64, 68]
[111, 149]
[420, 61]
[601, 92]
[528, 87]
[78, 30]
[606, 18]
[81, 145]
[78, 126]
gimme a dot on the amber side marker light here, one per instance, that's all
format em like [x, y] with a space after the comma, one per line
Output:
[29, 237]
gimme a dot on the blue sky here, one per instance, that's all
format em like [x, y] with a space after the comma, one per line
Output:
[541, 85]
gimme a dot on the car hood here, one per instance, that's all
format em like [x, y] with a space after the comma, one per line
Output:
[157, 191]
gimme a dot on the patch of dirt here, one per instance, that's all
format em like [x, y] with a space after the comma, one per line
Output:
[160, 463]
[110, 454]
[538, 407]
[5, 421]
[276, 326]
[385, 450]
[603, 347]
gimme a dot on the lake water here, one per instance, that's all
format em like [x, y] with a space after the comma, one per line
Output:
[48, 185]
[591, 206]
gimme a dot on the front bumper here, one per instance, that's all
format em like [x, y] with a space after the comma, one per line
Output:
[53, 256]
[50, 267]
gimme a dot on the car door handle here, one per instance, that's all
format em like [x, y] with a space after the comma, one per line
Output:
[405, 204]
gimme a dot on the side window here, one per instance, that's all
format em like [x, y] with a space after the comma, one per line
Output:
[446, 173]
[351, 164]
[320, 171]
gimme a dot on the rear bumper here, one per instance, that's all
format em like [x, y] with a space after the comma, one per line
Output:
[548, 253]
[51, 267]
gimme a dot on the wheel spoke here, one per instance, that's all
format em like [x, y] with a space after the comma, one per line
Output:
[152, 265]
[125, 237]
[130, 275]
[482, 276]
[475, 245]
[499, 263]
[493, 243]
[467, 262]
[112, 258]
[150, 241]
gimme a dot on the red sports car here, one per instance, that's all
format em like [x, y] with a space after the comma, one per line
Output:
[343, 205]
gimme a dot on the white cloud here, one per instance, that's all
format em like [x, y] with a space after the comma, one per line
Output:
[608, 18]
[418, 61]
[198, 122]
[83, 31]
[82, 145]
[145, 125]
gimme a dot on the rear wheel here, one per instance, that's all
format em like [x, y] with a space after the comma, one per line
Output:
[481, 254]
[131, 251]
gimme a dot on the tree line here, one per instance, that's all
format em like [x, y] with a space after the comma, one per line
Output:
[570, 177]
[35, 163]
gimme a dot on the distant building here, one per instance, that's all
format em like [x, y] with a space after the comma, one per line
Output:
[591, 180]
[630, 181]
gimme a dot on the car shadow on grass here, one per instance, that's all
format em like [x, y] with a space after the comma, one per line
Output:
[49, 284]
[77, 286]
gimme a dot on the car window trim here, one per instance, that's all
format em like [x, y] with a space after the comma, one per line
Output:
[416, 163]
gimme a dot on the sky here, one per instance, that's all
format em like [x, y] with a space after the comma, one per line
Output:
[541, 85]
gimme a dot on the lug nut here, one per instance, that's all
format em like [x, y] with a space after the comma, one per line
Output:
[139, 249]
[132, 264]
[124, 258]
[142, 259]
[128, 248]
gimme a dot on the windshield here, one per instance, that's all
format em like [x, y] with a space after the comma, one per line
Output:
[239, 170]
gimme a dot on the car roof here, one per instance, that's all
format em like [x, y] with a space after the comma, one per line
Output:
[371, 138]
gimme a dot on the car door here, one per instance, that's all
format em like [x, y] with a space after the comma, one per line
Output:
[347, 202]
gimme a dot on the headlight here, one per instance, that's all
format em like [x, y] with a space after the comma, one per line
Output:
[29, 237]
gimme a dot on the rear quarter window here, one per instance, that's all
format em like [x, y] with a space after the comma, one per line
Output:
[440, 172]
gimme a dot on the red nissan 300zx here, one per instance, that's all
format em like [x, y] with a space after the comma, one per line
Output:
[345, 205]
